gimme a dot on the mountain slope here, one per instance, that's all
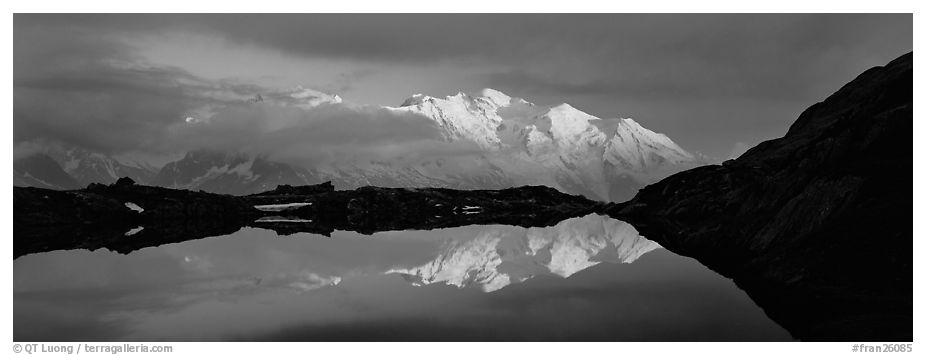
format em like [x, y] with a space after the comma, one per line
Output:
[88, 167]
[813, 225]
[230, 173]
[40, 170]
[81, 166]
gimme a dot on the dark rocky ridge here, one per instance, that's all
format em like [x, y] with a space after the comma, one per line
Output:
[97, 217]
[813, 225]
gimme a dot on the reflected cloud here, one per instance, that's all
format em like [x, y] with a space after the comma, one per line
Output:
[311, 281]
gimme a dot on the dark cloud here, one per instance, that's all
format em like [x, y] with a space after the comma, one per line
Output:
[345, 82]
[96, 93]
[112, 109]
[668, 70]
[714, 38]
[774, 57]
[92, 92]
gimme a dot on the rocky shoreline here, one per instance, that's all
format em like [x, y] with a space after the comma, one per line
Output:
[105, 216]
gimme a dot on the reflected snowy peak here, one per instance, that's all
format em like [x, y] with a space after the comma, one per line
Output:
[498, 257]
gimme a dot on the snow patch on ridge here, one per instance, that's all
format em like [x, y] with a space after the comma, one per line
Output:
[277, 219]
[134, 207]
[282, 206]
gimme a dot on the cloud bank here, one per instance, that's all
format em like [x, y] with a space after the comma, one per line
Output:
[707, 80]
[78, 90]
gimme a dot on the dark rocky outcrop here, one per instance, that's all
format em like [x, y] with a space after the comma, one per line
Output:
[125, 217]
[284, 190]
[813, 225]
[99, 216]
[125, 181]
[371, 209]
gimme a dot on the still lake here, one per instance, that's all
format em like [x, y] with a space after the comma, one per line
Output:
[591, 278]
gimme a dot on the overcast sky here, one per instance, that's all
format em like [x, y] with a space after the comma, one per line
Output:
[713, 83]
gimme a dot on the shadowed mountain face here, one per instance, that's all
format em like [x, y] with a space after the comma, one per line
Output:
[813, 225]
[88, 167]
[61, 167]
[40, 170]
[228, 173]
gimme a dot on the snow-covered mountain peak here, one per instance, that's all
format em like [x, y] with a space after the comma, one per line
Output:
[486, 99]
[629, 127]
[460, 97]
[414, 100]
[635, 148]
[498, 97]
[564, 108]
[560, 146]
[566, 121]
[459, 116]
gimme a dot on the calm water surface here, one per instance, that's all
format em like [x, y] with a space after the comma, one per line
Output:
[589, 278]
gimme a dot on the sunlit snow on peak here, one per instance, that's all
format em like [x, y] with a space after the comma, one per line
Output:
[496, 96]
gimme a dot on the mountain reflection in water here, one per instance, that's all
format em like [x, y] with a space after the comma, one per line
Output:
[588, 278]
[499, 256]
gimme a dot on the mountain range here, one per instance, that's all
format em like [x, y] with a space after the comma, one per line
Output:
[517, 143]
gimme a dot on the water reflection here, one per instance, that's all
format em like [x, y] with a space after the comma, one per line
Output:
[499, 256]
[572, 281]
